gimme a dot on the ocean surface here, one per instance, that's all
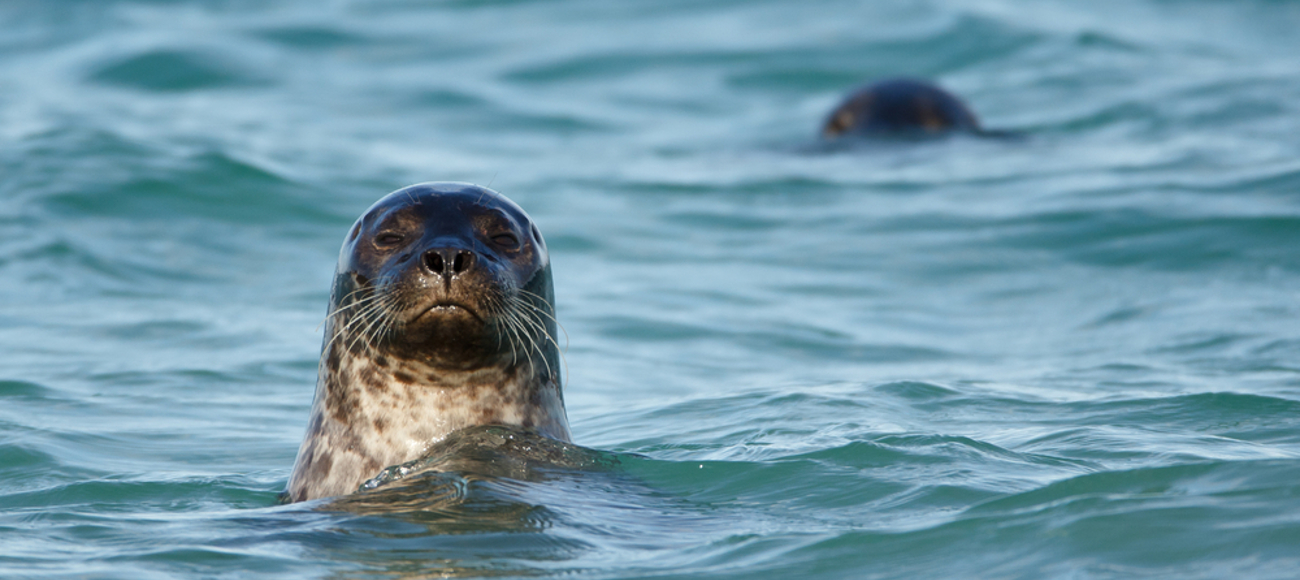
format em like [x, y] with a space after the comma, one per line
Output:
[1070, 354]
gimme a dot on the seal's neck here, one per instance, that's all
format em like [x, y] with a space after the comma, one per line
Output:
[372, 411]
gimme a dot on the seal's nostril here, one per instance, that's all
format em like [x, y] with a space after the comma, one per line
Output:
[448, 261]
[433, 261]
[463, 261]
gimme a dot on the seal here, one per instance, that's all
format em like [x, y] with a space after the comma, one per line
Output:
[441, 317]
[898, 106]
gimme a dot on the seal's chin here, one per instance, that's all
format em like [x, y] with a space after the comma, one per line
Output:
[448, 335]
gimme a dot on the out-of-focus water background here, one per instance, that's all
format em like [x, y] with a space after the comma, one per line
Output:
[1075, 354]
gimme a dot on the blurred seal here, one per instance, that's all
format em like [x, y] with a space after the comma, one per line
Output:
[441, 317]
[899, 106]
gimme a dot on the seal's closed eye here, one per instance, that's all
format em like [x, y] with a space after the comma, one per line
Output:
[507, 241]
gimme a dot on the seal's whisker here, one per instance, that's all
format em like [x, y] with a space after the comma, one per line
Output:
[384, 323]
[363, 324]
[354, 329]
[359, 307]
[495, 304]
[350, 304]
[356, 302]
[521, 336]
[378, 328]
[520, 317]
[533, 323]
[513, 328]
[491, 305]
[549, 315]
[362, 316]
[533, 344]
[538, 325]
[514, 344]
[539, 298]
[513, 317]
[363, 313]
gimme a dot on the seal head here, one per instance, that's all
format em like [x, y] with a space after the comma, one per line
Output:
[441, 317]
[899, 106]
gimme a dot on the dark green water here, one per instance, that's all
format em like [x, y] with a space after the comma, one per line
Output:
[1069, 355]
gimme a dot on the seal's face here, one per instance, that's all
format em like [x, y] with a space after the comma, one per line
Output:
[431, 273]
[441, 318]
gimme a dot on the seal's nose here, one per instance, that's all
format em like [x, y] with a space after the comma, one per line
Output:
[448, 261]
